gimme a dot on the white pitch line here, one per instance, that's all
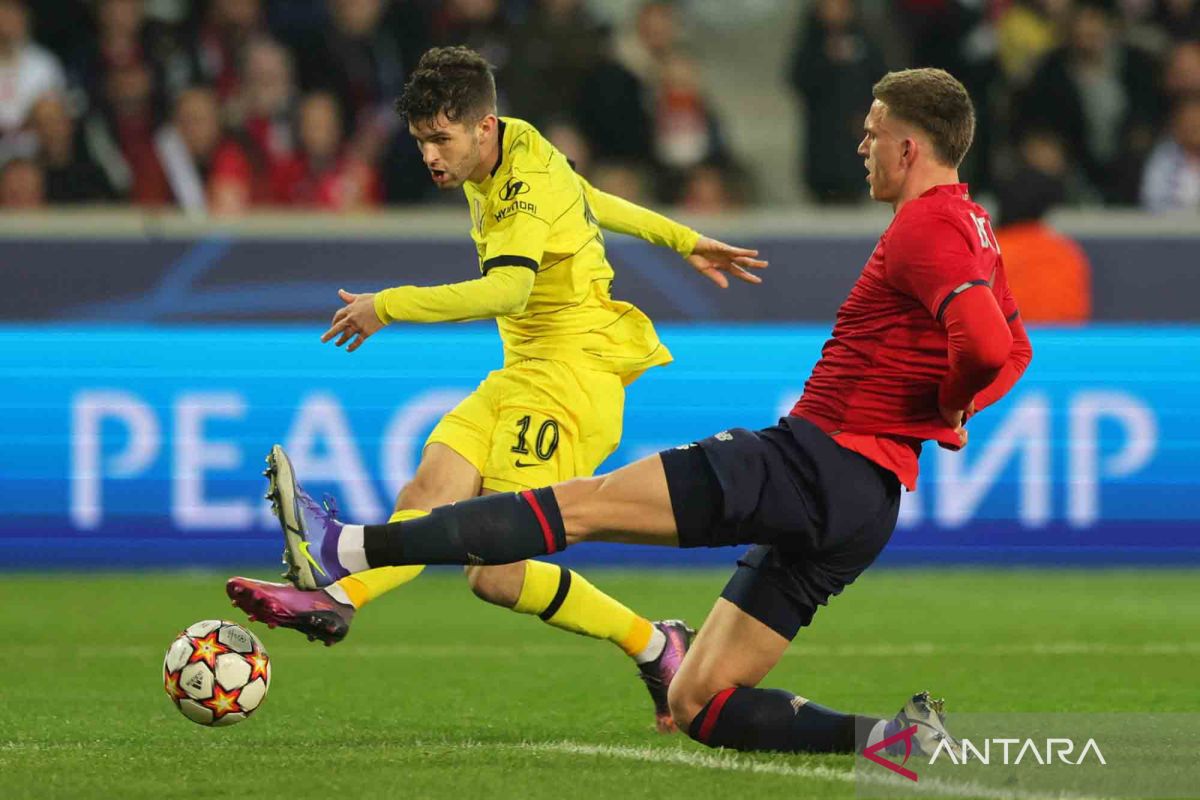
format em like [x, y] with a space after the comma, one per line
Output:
[722, 760]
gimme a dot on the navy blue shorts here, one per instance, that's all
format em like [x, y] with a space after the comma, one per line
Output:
[817, 514]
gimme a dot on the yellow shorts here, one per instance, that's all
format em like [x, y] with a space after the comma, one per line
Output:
[536, 423]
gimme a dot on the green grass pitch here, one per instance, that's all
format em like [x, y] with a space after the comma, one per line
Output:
[436, 695]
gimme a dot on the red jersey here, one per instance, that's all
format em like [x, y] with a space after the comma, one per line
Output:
[875, 388]
[344, 185]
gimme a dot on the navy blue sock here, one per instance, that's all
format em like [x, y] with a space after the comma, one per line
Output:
[496, 529]
[771, 719]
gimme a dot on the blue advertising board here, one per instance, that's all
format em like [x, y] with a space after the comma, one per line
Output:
[142, 446]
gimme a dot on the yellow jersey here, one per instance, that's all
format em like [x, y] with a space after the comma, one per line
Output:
[535, 212]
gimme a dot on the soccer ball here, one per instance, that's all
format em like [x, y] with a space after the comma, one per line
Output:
[216, 673]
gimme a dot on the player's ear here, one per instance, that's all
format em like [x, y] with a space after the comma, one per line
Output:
[908, 151]
[486, 126]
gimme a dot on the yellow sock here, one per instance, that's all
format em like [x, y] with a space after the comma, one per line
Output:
[564, 599]
[363, 587]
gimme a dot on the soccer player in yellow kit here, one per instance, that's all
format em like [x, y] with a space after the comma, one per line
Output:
[554, 411]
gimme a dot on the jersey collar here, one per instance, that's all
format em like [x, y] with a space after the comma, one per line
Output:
[949, 188]
[500, 147]
[484, 184]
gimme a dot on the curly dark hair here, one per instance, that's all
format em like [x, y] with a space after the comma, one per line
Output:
[455, 81]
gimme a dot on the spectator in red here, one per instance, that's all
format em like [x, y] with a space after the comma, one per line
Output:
[684, 129]
[127, 119]
[1049, 274]
[325, 175]
[207, 172]
[686, 133]
[358, 59]
[264, 113]
[27, 71]
[72, 174]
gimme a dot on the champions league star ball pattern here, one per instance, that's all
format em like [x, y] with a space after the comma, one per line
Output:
[216, 673]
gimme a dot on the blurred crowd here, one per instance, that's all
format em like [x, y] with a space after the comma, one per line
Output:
[1079, 101]
[220, 106]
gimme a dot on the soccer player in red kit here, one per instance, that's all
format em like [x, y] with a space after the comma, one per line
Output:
[928, 336]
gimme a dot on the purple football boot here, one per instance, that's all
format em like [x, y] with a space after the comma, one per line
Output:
[315, 614]
[310, 531]
[658, 674]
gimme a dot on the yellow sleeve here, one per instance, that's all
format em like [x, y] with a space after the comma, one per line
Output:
[518, 237]
[619, 215]
[502, 291]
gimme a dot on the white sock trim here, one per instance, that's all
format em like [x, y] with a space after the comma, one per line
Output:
[876, 735]
[658, 640]
[339, 594]
[350, 549]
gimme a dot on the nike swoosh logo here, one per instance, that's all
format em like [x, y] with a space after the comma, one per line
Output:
[523, 464]
[304, 545]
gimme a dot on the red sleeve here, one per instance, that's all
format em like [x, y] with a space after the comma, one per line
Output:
[932, 259]
[979, 346]
[1008, 303]
[1018, 359]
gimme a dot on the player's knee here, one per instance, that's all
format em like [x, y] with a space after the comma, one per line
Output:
[490, 584]
[685, 700]
[421, 493]
[578, 502]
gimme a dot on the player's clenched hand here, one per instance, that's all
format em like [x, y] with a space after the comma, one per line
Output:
[355, 321]
[713, 259]
[956, 419]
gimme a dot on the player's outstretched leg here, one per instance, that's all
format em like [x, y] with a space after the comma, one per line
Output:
[716, 700]
[493, 529]
[319, 547]
[631, 505]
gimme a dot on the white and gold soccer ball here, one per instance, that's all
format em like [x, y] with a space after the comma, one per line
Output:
[216, 672]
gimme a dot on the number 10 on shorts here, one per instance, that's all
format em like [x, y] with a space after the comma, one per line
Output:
[544, 440]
